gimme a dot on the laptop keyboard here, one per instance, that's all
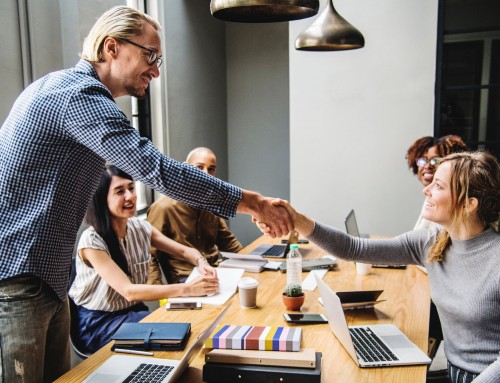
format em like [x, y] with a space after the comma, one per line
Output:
[275, 251]
[369, 347]
[148, 373]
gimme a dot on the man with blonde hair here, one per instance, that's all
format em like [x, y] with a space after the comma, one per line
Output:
[53, 147]
[189, 226]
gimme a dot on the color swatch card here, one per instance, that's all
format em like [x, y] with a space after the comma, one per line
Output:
[268, 338]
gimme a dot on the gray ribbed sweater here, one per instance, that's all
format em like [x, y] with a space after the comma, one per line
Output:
[465, 287]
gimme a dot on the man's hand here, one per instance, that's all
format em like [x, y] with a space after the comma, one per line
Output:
[263, 209]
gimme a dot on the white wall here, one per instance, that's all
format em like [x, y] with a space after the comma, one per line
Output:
[353, 114]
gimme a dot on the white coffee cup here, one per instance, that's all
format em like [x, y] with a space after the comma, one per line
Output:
[248, 292]
[363, 268]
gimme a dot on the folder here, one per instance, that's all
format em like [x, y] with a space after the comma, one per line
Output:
[305, 358]
[152, 336]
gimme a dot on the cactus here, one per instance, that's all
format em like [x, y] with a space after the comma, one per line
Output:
[293, 290]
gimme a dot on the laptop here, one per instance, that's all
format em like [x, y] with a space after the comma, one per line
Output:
[369, 345]
[351, 226]
[126, 368]
[276, 251]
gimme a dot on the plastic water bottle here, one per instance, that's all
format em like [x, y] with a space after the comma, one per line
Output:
[294, 266]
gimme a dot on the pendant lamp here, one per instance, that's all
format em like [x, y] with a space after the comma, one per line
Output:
[330, 32]
[263, 11]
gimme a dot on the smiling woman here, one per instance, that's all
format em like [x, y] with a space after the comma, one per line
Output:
[113, 263]
[423, 158]
[461, 258]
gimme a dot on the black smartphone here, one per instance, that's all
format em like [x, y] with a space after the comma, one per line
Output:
[305, 318]
[183, 306]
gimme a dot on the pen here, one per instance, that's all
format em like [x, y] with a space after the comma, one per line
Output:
[136, 352]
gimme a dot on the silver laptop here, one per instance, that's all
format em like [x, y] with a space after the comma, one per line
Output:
[126, 368]
[277, 251]
[351, 226]
[370, 345]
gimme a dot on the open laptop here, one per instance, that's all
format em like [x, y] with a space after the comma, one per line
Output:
[125, 368]
[277, 251]
[369, 345]
[351, 226]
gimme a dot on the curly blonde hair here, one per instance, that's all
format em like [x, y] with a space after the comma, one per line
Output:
[119, 22]
[473, 175]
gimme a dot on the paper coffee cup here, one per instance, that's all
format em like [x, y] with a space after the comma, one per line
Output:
[248, 292]
[363, 268]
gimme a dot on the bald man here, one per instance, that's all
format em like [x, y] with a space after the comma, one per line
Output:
[192, 227]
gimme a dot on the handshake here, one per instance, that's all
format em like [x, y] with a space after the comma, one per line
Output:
[278, 218]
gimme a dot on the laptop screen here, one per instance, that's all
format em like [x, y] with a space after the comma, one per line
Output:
[351, 225]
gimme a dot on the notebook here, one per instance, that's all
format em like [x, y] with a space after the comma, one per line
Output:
[278, 251]
[119, 368]
[363, 342]
[351, 226]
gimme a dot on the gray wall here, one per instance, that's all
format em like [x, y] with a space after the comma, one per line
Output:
[227, 87]
[258, 113]
[196, 81]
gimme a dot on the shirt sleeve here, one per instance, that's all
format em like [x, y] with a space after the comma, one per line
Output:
[94, 120]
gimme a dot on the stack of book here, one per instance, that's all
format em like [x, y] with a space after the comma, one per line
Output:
[248, 262]
[270, 338]
[228, 366]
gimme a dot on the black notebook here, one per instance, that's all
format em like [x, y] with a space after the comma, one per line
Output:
[152, 336]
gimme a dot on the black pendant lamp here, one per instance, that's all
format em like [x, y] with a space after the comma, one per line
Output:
[330, 32]
[263, 11]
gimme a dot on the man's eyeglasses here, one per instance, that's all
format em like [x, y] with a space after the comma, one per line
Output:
[422, 161]
[153, 56]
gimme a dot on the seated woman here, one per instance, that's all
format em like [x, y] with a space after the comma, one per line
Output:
[462, 259]
[423, 159]
[113, 263]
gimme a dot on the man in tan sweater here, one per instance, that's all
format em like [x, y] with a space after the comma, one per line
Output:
[192, 227]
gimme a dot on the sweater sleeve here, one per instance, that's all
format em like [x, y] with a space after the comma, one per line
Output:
[491, 374]
[408, 248]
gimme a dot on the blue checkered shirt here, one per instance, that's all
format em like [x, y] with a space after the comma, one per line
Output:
[53, 148]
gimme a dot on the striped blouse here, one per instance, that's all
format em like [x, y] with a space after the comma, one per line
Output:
[89, 289]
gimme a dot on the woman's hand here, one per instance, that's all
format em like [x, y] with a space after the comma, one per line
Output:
[202, 286]
[205, 268]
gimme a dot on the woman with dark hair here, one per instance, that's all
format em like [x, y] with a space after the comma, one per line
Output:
[113, 263]
[461, 257]
[423, 159]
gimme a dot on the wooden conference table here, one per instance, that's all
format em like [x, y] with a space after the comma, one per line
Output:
[407, 306]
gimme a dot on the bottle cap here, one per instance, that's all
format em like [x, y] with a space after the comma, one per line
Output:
[294, 246]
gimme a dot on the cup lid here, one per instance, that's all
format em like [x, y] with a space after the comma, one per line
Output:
[247, 283]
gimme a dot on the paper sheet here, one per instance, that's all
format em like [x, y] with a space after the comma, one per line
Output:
[309, 284]
[228, 283]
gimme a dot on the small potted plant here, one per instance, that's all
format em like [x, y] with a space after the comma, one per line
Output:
[293, 297]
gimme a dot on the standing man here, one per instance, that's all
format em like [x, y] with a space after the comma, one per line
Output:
[189, 226]
[53, 148]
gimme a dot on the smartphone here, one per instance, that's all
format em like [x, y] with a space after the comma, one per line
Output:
[305, 318]
[183, 306]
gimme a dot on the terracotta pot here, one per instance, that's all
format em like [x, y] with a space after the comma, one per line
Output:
[293, 303]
